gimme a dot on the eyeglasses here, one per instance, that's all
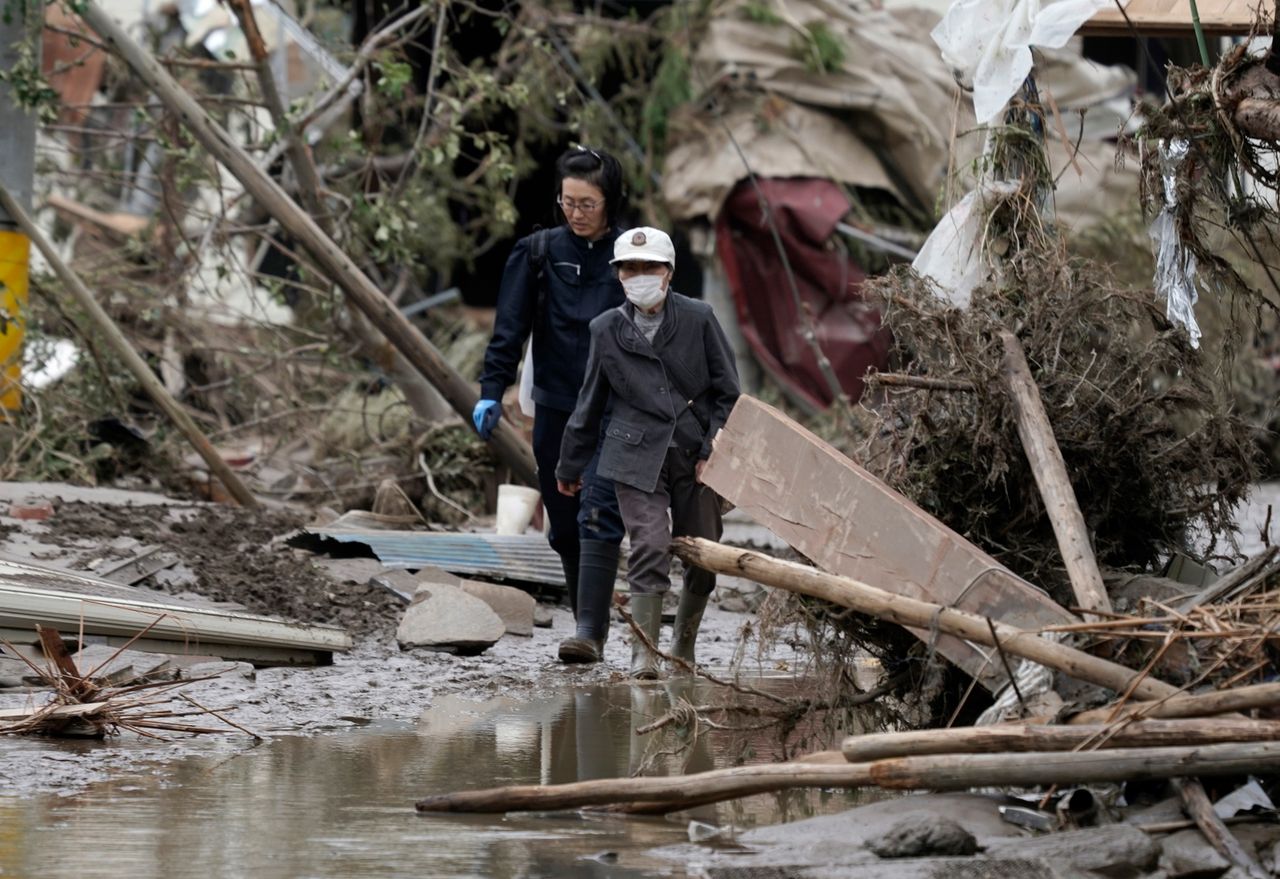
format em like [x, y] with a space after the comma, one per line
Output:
[588, 207]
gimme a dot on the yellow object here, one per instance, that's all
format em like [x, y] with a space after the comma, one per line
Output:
[15, 250]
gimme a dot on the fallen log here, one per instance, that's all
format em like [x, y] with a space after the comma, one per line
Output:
[921, 614]
[1050, 471]
[333, 263]
[963, 771]
[1195, 705]
[946, 772]
[133, 361]
[1044, 737]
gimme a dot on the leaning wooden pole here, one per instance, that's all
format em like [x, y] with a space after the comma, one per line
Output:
[944, 772]
[1013, 737]
[1051, 476]
[150, 382]
[906, 611]
[511, 449]
[1192, 705]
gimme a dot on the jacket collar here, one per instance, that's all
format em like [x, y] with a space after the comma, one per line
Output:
[631, 337]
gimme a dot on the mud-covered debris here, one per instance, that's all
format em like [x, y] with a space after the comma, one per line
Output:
[445, 618]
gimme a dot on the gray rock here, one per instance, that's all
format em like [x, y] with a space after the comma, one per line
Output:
[514, 607]
[177, 577]
[445, 618]
[14, 672]
[916, 837]
[358, 571]
[1115, 850]
[221, 668]
[542, 616]
[1188, 855]
[432, 574]
[396, 580]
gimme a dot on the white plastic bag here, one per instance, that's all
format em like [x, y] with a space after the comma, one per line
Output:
[951, 256]
[988, 42]
[525, 394]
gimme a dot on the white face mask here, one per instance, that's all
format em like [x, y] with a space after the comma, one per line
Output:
[645, 292]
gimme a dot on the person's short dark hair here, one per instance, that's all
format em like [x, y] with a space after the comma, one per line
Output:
[599, 169]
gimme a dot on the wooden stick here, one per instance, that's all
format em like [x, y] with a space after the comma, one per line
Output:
[132, 360]
[1043, 737]
[1196, 804]
[332, 261]
[1197, 705]
[919, 382]
[1051, 477]
[945, 772]
[906, 611]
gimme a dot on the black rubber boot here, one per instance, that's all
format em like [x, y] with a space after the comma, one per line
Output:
[570, 563]
[684, 633]
[597, 574]
[646, 610]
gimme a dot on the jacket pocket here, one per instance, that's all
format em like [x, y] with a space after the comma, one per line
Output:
[624, 433]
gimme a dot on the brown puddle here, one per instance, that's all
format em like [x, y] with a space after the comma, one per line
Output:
[341, 805]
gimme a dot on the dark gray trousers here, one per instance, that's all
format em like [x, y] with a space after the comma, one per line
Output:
[694, 512]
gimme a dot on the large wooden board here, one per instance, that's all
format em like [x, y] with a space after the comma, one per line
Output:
[1159, 18]
[850, 523]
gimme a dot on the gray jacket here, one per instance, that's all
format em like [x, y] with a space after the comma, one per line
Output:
[677, 391]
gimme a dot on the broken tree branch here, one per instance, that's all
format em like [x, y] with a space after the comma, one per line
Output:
[1198, 705]
[1051, 477]
[912, 612]
[920, 382]
[150, 382]
[340, 269]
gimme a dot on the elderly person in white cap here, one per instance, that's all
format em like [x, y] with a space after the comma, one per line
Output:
[661, 367]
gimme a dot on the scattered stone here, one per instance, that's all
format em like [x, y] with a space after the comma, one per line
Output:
[432, 574]
[220, 668]
[13, 672]
[1115, 850]
[1188, 855]
[357, 571]
[444, 617]
[514, 607]
[177, 577]
[542, 616]
[915, 838]
[397, 581]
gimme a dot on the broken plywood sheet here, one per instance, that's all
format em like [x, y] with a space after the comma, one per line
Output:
[852, 524]
[1162, 18]
[31, 595]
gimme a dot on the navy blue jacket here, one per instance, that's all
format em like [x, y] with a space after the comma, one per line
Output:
[580, 285]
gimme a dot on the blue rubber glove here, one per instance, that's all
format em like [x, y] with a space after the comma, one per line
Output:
[485, 416]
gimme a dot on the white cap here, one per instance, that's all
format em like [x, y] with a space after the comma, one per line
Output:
[644, 244]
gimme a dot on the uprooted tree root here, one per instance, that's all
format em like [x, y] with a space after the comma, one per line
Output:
[1143, 421]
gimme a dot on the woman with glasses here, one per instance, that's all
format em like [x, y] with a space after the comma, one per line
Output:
[555, 282]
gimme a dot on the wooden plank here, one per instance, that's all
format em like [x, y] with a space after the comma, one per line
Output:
[1164, 18]
[850, 523]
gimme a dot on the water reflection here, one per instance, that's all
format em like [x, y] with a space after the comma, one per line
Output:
[342, 805]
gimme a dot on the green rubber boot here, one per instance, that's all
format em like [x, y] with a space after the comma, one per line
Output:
[685, 631]
[646, 610]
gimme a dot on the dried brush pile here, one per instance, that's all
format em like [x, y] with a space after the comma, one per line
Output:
[1144, 422]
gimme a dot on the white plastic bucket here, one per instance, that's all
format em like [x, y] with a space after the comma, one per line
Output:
[516, 505]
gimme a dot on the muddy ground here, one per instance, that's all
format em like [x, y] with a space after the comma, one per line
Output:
[234, 556]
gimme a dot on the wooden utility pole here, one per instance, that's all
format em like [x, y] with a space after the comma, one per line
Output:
[150, 382]
[461, 394]
[1051, 477]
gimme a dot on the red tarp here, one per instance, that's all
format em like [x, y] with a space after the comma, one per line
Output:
[805, 211]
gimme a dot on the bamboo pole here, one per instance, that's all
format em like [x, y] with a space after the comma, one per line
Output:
[1196, 705]
[341, 270]
[1050, 472]
[150, 382]
[1195, 802]
[907, 611]
[944, 772]
[1042, 737]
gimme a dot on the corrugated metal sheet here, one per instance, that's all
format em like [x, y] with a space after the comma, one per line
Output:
[30, 594]
[527, 558]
